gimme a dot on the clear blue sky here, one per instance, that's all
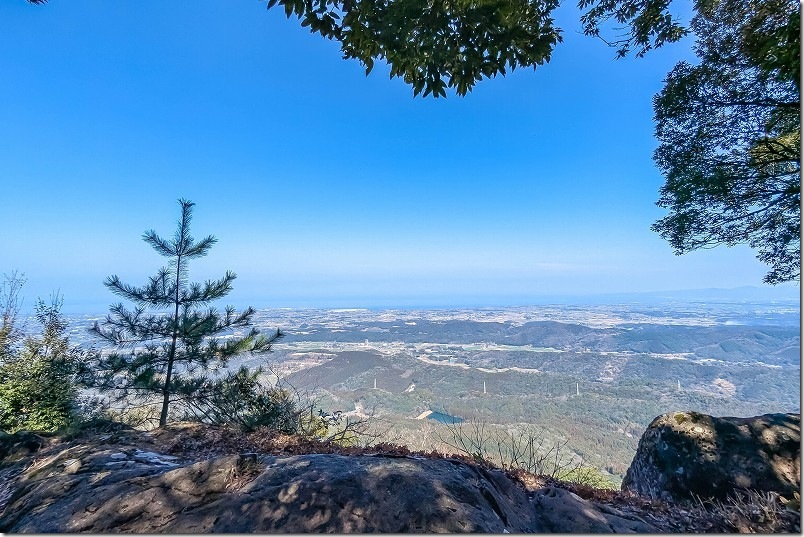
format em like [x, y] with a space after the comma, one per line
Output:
[324, 186]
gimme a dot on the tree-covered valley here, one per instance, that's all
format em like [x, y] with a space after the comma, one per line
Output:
[587, 377]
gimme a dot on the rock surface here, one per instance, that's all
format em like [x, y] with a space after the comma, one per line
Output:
[686, 454]
[561, 511]
[113, 486]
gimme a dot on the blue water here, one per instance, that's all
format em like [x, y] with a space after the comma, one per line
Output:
[440, 417]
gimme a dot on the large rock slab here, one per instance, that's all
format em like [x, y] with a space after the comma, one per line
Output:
[561, 511]
[103, 488]
[682, 455]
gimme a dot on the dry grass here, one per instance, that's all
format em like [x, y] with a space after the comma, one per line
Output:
[758, 512]
[247, 468]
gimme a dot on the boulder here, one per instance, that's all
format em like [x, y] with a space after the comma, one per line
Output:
[109, 488]
[682, 455]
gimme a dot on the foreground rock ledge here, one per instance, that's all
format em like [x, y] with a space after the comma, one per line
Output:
[688, 455]
[104, 488]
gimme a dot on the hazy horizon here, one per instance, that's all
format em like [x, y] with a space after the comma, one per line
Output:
[785, 294]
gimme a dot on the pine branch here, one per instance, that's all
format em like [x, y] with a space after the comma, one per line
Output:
[159, 244]
[212, 290]
[182, 239]
[200, 249]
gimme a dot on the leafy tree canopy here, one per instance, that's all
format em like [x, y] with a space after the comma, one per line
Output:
[434, 44]
[730, 135]
[437, 44]
[642, 25]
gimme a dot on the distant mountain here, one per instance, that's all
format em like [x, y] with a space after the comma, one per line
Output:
[748, 293]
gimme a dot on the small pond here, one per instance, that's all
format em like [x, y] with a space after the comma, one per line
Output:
[440, 417]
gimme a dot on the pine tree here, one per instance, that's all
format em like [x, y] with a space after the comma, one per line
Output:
[166, 354]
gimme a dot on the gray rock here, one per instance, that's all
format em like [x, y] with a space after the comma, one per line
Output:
[305, 493]
[308, 493]
[682, 455]
[561, 511]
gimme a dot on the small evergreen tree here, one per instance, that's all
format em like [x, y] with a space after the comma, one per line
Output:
[39, 379]
[166, 354]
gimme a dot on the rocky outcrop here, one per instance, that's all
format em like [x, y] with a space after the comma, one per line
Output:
[682, 455]
[108, 486]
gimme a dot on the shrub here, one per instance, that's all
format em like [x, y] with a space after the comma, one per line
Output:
[588, 476]
[38, 380]
[241, 398]
[528, 449]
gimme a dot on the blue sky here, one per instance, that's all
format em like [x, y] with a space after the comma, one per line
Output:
[325, 187]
